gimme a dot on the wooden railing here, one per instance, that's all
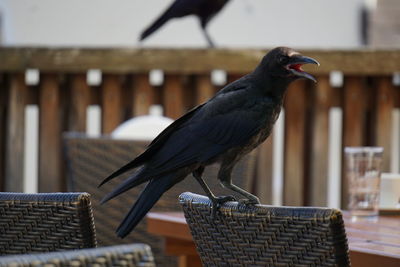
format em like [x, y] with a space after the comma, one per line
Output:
[367, 98]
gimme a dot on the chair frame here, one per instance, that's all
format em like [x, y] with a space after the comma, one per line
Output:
[261, 235]
[45, 222]
[123, 255]
[91, 159]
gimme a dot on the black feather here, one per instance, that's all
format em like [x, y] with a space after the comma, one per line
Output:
[151, 193]
[153, 147]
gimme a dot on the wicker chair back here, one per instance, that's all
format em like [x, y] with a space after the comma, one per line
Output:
[262, 235]
[45, 222]
[133, 255]
[90, 160]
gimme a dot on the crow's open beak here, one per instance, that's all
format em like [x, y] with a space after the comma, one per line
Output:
[295, 63]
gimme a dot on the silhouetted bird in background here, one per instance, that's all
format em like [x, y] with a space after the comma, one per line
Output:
[229, 125]
[205, 10]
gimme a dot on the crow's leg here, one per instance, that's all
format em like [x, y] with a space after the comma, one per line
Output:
[208, 38]
[216, 201]
[224, 175]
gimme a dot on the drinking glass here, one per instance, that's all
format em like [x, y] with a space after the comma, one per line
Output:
[363, 170]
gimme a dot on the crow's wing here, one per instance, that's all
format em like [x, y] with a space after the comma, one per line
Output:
[154, 145]
[199, 141]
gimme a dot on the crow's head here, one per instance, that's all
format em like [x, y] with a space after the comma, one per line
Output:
[285, 62]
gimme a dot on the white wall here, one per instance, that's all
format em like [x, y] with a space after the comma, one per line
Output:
[248, 23]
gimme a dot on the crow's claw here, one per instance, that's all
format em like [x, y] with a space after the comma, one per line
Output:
[218, 201]
[247, 201]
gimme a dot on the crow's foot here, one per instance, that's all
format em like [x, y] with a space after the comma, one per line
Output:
[218, 201]
[249, 201]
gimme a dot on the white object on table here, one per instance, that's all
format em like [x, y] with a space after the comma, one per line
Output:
[390, 191]
[143, 128]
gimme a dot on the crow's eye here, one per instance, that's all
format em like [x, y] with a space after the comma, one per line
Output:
[283, 60]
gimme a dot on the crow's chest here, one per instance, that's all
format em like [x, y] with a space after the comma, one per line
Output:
[271, 115]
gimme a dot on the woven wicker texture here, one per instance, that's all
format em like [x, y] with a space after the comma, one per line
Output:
[90, 160]
[262, 235]
[45, 222]
[124, 255]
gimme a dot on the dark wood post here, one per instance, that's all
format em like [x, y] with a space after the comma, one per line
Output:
[15, 134]
[143, 94]
[294, 166]
[112, 108]
[80, 100]
[323, 97]
[50, 129]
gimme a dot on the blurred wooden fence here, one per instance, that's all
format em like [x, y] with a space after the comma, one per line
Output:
[367, 98]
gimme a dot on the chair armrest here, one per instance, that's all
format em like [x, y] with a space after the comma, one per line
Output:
[122, 255]
[265, 235]
[45, 222]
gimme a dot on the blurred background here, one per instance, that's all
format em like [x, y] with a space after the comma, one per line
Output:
[55, 48]
[80, 95]
[246, 23]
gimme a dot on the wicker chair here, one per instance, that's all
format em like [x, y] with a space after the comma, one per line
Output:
[124, 255]
[45, 222]
[262, 235]
[90, 160]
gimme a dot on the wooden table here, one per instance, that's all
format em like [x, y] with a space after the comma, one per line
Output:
[372, 243]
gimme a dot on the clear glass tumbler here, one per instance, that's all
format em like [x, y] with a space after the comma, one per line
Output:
[363, 170]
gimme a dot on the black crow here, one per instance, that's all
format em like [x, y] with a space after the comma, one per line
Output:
[205, 10]
[222, 130]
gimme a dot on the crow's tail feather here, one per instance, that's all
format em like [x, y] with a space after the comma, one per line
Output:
[174, 11]
[150, 195]
[154, 26]
[136, 179]
[131, 165]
